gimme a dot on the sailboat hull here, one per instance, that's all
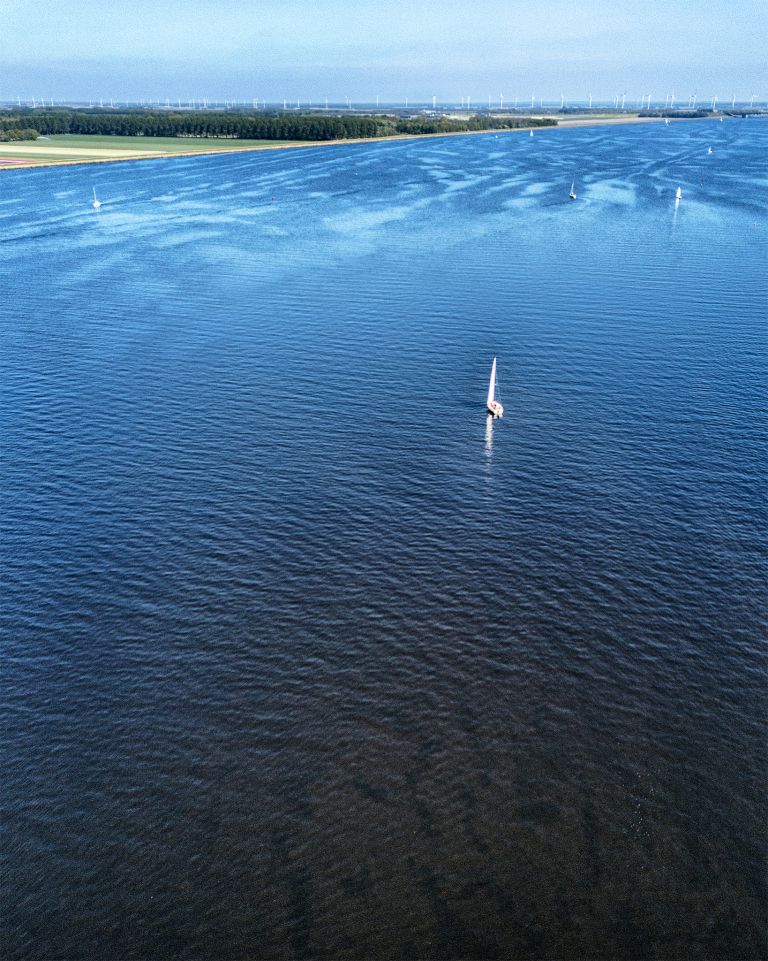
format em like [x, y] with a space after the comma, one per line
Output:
[495, 408]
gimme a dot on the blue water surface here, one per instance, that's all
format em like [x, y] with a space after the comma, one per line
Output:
[303, 657]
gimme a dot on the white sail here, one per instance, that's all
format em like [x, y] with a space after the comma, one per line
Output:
[492, 385]
[679, 194]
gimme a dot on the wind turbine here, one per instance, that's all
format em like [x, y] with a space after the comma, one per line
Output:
[590, 101]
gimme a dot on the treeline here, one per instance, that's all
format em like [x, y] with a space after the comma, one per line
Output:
[208, 124]
[247, 126]
[218, 125]
[17, 133]
[726, 112]
[680, 114]
[453, 125]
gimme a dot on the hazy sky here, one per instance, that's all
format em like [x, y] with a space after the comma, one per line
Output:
[310, 49]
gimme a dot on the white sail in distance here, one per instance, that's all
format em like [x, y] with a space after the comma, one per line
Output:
[492, 384]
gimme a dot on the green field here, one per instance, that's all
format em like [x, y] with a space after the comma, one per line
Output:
[71, 147]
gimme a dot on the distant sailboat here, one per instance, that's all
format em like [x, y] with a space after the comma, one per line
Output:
[530, 133]
[709, 150]
[679, 194]
[666, 121]
[572, 194]
[493, 405]
[96, 202]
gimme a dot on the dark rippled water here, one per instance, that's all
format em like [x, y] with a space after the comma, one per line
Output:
[302, 659]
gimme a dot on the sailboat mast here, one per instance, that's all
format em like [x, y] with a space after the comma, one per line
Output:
[492, 384]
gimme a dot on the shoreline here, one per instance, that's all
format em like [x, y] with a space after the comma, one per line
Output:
[160, 155]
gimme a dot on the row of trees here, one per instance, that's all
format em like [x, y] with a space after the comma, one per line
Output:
[17, 133]
[680, 114]
[701, 112]
[453, 125]
[227, 125]
[248, 126]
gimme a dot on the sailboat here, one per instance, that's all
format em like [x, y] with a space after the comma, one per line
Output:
[572, 194]
[666, 121]
[493, 405]
[679, 194]
[96, 202]
[530, 134]
[709, 150]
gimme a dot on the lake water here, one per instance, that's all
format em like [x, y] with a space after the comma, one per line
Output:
[302, 657]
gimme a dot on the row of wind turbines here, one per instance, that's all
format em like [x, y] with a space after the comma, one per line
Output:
[619, 101]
